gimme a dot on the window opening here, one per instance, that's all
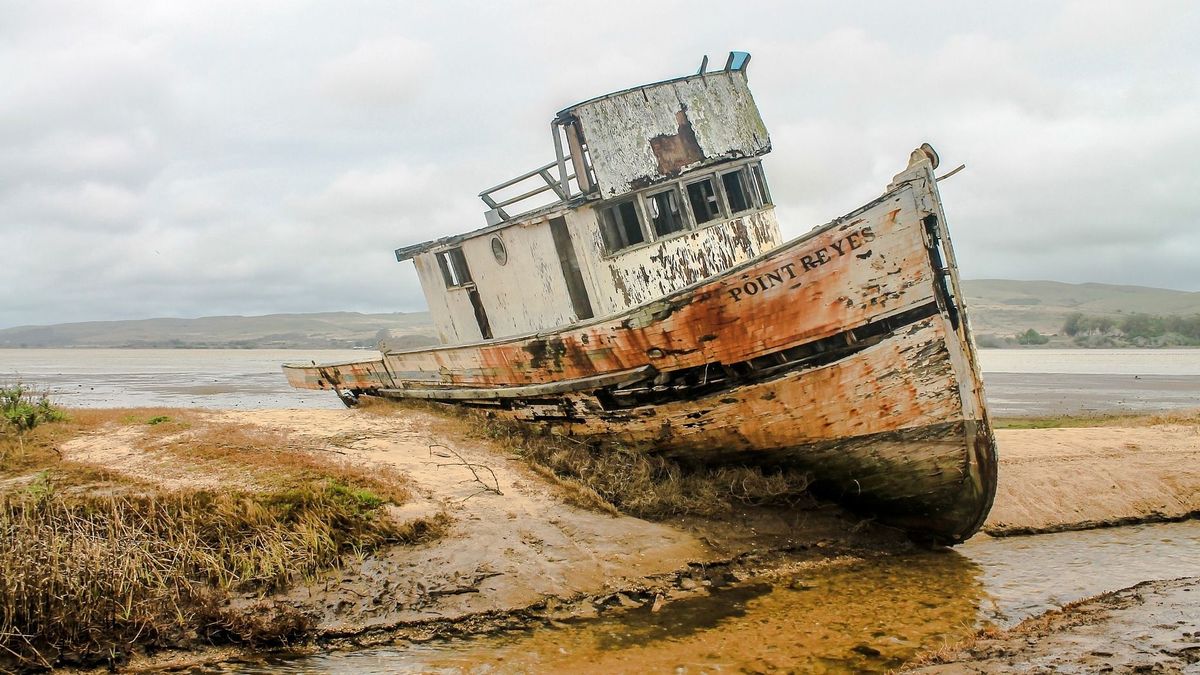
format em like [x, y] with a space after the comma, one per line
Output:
[666, 214]
[737, 190]
[703, 199]
[620, 226]
[499, 252]
[760, 185]
[454, 267]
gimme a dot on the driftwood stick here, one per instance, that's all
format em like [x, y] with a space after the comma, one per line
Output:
[494, 488]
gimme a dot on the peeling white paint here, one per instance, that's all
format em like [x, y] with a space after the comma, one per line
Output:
[677, 130]
[617, 128]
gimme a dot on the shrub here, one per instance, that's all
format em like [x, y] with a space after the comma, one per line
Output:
[1032, 337]
[23, 410]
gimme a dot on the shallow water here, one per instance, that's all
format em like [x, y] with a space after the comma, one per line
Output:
[1035, 382]
[867, 616]
[1175, 362]
[1017, 382]
[187, 378]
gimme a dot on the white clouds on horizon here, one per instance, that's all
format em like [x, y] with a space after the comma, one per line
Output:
[223, 159]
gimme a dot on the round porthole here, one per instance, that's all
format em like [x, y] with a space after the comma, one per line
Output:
[499, 251]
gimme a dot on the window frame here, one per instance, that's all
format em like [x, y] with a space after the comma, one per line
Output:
[684, 222]
[745, 181]
[718, 193]
[619, 225]
[759, 178]
[448, 260]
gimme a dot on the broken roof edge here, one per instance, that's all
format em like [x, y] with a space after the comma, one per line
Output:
[528, 218]
[737, 62]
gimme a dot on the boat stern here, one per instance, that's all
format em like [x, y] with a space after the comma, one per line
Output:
[348, 380]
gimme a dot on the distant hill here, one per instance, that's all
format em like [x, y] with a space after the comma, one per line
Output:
[273, 331]
[999, 309]
[1003, 308]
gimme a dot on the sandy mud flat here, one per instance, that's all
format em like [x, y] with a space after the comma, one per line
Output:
[515, 549]
[516, 552]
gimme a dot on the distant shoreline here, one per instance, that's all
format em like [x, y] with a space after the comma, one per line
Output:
[1002, 314]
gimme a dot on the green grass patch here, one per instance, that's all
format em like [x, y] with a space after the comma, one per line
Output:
[22, 409]
[1185, 417]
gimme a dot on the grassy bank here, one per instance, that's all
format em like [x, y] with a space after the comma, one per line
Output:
[1098, 420]
[96, 563]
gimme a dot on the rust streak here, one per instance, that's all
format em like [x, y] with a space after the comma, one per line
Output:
[676, 151]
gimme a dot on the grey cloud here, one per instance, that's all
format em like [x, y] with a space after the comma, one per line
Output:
[381, 71]
[221, 158]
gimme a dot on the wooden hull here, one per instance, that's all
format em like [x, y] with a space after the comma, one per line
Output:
[845, 352]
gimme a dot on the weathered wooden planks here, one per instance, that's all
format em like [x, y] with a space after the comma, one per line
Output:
[864, 266]
[892, 420]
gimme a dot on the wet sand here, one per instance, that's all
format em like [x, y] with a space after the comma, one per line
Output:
[1047, 394]
[1076, 478]
[517, 555]
[1153, 627]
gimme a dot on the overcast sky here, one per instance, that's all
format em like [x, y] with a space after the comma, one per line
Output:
[191, 159]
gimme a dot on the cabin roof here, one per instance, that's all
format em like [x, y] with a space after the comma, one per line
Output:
[737, 61]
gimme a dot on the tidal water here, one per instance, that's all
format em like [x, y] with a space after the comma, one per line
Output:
[868, 616]
[1035, 382]
[1021, 382]
[187, 378]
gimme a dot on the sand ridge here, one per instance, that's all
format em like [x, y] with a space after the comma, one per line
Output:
[1075, 478]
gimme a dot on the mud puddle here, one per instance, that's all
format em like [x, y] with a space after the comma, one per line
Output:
[1025, 576]
[857, 615]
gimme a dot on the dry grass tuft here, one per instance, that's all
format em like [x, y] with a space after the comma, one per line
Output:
[93, 563]
[950, 652]
[608, 477]
[78, 573]
[263, 624]
[653, 486]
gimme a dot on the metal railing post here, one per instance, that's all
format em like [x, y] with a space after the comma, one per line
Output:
[562, 161]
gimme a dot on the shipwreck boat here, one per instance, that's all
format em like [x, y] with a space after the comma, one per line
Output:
[653, 302]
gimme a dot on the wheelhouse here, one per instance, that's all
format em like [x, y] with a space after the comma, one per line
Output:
[652, 189]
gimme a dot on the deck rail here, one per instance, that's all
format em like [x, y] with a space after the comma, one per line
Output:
[560, 184]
